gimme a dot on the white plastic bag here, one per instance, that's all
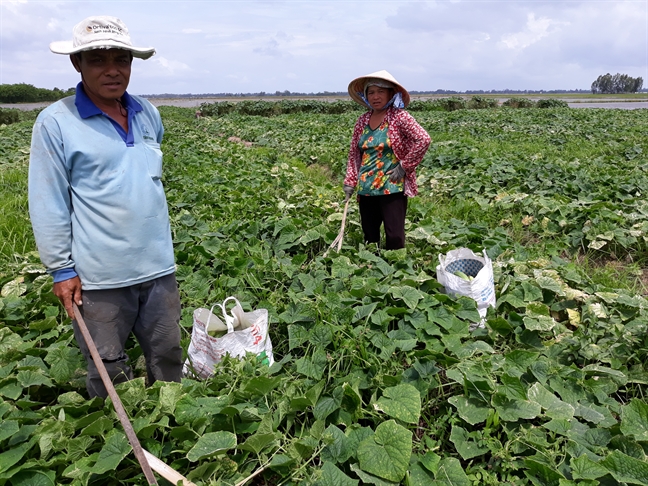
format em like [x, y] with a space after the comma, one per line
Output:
[481, 288]
[244, 332]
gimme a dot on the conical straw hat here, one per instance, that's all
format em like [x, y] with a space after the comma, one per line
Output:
[357, 86]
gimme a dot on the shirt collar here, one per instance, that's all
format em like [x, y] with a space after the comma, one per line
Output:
[87, 108]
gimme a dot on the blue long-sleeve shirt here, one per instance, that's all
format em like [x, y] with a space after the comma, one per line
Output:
[96, 201]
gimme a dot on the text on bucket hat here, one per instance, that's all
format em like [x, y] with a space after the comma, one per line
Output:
[100, 32]
[357, 86]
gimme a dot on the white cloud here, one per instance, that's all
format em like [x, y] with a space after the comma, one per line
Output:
[191, 31]
[170, 67]
[536, 29]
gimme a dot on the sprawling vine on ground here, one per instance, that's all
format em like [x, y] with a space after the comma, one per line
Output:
[380, 377]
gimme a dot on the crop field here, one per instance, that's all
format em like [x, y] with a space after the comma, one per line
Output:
[380, 377]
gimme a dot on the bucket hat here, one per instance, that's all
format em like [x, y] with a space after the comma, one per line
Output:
[357, 86]
[100, 32]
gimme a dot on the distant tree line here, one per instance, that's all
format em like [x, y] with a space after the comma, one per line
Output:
[287, 93]
[618, 83]
[27, 93]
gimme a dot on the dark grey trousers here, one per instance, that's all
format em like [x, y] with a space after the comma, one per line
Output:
[386, 210]
[151, 311]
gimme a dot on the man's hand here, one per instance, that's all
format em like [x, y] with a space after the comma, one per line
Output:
[396, 175]
[69, 292]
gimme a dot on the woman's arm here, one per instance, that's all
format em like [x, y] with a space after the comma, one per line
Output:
[415, 140]
[355, 156]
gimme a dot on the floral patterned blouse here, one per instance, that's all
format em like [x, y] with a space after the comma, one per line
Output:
[377, 160]
[409, 141]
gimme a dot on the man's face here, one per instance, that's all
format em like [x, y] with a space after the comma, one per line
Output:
[105, 73]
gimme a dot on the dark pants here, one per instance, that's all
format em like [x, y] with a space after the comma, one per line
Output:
[151, 311]
[388, 210]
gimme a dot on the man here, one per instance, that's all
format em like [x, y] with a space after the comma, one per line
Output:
[99, 211]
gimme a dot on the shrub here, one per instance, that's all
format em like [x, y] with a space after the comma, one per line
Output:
[272, 108]
[451, 104]
[9, 116]
[429, 105]
[552, 103]
[481, 102]
[519, 103]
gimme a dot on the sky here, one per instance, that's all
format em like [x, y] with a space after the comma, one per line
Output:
[249, 46]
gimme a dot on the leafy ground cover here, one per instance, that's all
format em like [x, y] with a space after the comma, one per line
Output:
[380, 378]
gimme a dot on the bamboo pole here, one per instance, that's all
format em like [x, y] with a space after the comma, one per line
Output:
[146, 460]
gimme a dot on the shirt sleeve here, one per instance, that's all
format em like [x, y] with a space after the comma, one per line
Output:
[417, 139]
[353, 163]
[50, 205]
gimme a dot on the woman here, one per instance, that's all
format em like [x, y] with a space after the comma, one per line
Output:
[386, 147]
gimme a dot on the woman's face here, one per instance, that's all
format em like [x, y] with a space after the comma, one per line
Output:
[378, 97]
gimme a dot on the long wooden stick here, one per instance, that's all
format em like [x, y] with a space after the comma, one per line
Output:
[112, 393]
[147, 460]
[166, 471]
[346, 207]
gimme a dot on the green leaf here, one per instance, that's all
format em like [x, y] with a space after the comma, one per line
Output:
[540, 474]
[626, 469]
[402, 402]
[409, 295]
[327, 405]
[466, 448]
[342, 267]
[332, 476]
[338, 448]
[257, 442]
[551, 284]
[584, 468]
[512, 387]
[430, 461]
[189, 409]
[539, 323]
[13, 456]
[63, 360]
[554, 407]
[521, 359]
[514, 410]
[261, 385]
[8, 428]
[313, 367]
[98, 427]
[386, 454]
[33, 378]
[634, 419]
[367, 478]
[364, 311]
[588, 413]
[297, 335]
[357, 434]
[531, 292]
[34, 478]
[321, 335]
[450, 473]
[112, 453]
[15, 288]
[212, 443]
[500, 325]
[599, 370]
[471, 410]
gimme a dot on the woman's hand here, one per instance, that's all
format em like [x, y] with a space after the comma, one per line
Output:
[348, 190]
[396, 175]
[68, 292]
